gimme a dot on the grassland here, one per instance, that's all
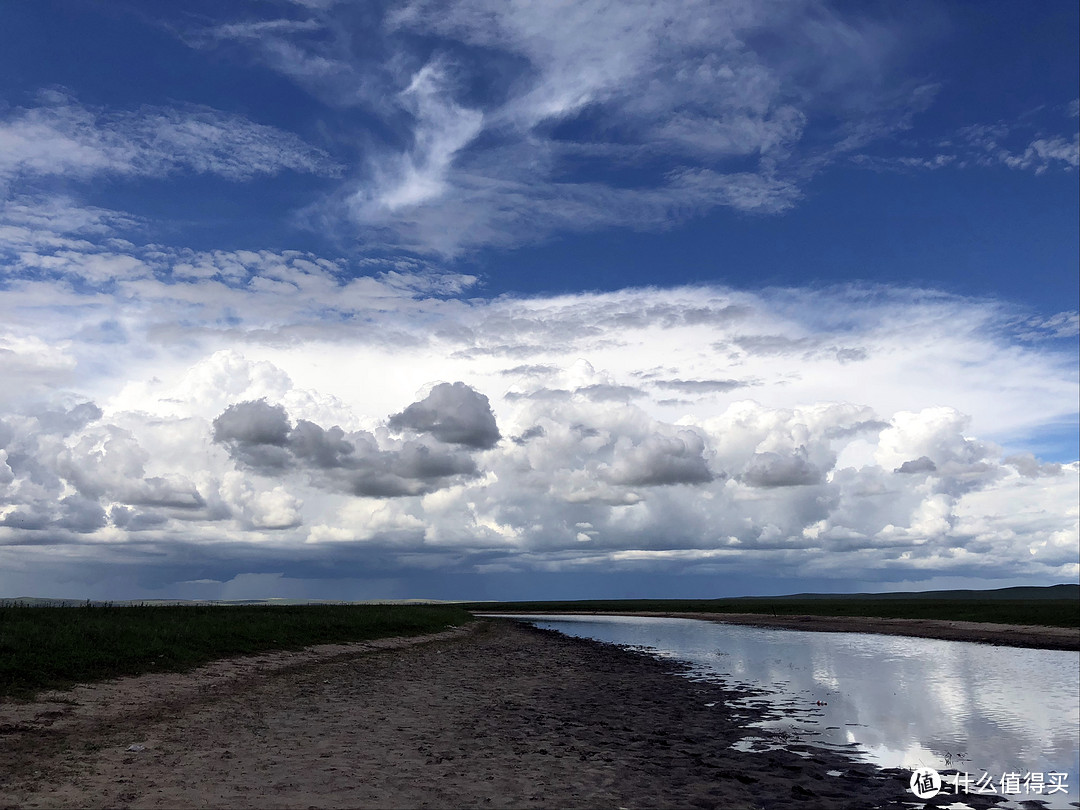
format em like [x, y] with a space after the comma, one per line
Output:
[42, 647]
[1048, 612]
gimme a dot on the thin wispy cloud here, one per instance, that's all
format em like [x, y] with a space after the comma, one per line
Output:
[64, 138]
[685, 95]
[1023, 145]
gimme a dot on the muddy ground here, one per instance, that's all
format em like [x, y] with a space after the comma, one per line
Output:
[493, 715]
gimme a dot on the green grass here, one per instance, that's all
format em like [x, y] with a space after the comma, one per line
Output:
[1049, 612]
[44, 647]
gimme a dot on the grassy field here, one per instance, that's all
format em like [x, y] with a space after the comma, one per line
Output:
[42, 647]
[1049, 612]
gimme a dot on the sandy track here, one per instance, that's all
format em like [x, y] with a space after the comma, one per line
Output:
[495, 715]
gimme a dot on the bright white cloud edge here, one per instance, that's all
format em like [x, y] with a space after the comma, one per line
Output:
[700, 430]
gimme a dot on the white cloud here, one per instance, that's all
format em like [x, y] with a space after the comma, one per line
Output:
[1041, 153]
[442, 128]
[670, 84]
[1060, 325]
[1016, 145]
[64, 138]
[492, 115]
[416, 429]
[274, 508]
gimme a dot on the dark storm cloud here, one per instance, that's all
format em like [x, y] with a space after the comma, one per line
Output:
[74, 513]
[535, 432]
[663, 461]
[260, 438]
[922, 464]
[256, 434]
[124, 517]
[416, 460]
[414, 470]
[325, 449]
[158, 491]
[781, 470]
[255, 422]
[453, 413]
[28, 516]
[69, 421]
[82, 515]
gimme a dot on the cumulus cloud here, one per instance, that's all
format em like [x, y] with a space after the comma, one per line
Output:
[253, 423]
[232, 408]
[585, 485]
[922, 464]
[274, 508]
[70, 471]
[259, 436]
[781, 470]
[662, 460]
[256, 434]
[452, 413]
[935, 435]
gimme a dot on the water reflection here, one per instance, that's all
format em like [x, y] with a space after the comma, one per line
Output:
[902, 702]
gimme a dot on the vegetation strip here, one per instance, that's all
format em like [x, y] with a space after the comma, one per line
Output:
[1048, 612]
[51, 647]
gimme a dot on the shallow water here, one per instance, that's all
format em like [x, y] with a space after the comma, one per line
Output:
[895, 701]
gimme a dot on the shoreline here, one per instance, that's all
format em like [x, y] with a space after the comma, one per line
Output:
[1004, 635]
[493, 715]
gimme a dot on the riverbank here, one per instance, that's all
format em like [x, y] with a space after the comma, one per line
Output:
[1005, 635]
[493, 715]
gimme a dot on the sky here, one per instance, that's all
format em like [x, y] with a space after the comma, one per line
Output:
[490, 299]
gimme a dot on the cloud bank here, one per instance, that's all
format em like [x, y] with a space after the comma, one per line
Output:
[201, 416]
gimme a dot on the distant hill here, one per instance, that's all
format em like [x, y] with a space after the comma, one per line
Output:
[1052, 606]
[1022, 592]
[1025, 593]
[36, 601]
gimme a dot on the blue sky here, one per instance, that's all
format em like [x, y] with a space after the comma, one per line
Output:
[496, 300]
